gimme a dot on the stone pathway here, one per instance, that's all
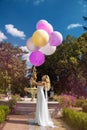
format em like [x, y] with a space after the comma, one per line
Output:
[20, 122]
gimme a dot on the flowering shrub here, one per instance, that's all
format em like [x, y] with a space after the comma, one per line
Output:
[66, 100]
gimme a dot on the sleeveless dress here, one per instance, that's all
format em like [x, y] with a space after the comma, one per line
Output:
[42, 116]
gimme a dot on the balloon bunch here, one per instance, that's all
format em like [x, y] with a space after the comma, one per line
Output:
[43, 42]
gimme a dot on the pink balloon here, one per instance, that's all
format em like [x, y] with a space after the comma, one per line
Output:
[55, 38]
[37, 58]
[30, 45]
[43, 24]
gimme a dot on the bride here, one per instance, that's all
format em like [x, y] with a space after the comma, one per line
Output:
[42, 116]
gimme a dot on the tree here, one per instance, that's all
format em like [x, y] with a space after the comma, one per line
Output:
[12, 65]
[69, 63]
[85, 19]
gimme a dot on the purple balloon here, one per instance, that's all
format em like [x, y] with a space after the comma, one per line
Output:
[43, 24]
[37, 58]
[55, 38]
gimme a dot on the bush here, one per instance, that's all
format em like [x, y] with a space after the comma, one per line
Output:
[6, 109]
[84, 107]
[2, 96]
[55, 97]
[79, 102]
[2, 115]
[16, 97]
[66, 100]
[75, 119]
[11, 104]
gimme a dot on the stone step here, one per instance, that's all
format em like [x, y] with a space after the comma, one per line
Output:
[29, 107]
[33, 104]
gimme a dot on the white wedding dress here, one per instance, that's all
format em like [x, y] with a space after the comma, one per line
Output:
[42, 116]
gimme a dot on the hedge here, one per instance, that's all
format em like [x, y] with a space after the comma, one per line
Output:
[2, 116]
[4, 111]
[77, 120]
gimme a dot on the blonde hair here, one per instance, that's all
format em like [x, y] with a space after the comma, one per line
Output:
[47, 83]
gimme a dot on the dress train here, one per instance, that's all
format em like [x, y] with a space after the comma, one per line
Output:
[42, 116]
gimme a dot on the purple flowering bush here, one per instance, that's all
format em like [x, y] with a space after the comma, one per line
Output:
[66, 100]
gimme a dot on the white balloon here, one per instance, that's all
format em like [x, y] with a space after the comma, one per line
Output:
[30, 45]
[47, 49]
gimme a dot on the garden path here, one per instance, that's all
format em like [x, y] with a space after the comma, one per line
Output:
[20, 122]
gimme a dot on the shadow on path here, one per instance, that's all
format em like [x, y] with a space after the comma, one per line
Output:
[17, 122]
[22, 122]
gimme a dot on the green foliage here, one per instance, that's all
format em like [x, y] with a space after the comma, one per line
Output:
[11, 104]
[2, 95]
[55, 97]
[69, 62]
[12, 69]
[2, 115]
[80, 102]
[84, 106]
[77, 120]
[3, 91]
[6, 109]
[16, 97]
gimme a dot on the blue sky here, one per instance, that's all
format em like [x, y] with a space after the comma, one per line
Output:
[18, 18]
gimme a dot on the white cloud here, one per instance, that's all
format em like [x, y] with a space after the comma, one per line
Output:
[74, 25]
[24, 49]
[26, 58]
[29, 65]
[14, 31]
[2, 36]
[37, 2]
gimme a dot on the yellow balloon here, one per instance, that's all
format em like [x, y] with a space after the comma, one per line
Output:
[40, 38]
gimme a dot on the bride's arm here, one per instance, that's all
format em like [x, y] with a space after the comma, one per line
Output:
[39, 83]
